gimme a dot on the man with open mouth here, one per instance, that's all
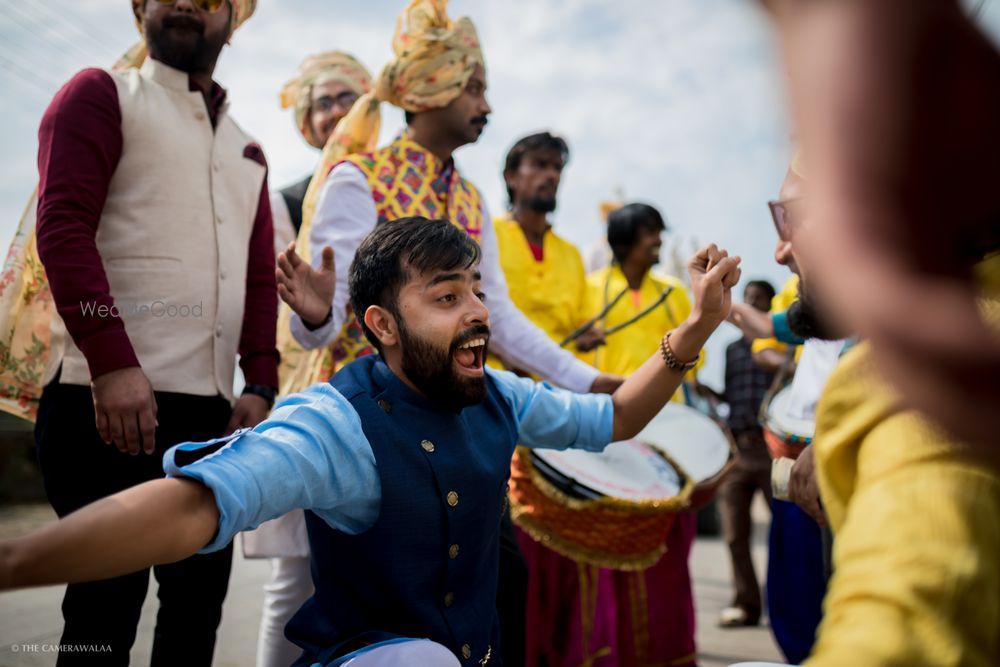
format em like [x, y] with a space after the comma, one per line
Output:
[401, 460]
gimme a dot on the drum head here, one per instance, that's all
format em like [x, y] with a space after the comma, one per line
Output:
[696, 442]
[630, 470]
[781, 423]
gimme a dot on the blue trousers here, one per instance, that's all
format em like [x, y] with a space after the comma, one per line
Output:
[796, 579]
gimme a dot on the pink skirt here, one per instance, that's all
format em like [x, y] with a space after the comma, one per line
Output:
[583, 615]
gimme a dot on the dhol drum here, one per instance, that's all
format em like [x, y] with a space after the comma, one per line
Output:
[615, 508]
[702, 448]
[785, 435]
[612, 508]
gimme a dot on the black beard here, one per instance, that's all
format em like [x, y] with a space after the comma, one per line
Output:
[806, 321]
[430, 368]
[541, 204]
[170, 47]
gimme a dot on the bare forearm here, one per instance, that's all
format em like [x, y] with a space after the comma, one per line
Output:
[649, 388]
[157, 522]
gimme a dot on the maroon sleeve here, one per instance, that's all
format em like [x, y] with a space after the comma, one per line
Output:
[258, 353]
[79, 145]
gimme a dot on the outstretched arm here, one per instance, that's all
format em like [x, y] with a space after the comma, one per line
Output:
[161, 521]
[713, 275]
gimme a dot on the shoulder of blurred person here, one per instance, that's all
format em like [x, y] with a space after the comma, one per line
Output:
[913, 512]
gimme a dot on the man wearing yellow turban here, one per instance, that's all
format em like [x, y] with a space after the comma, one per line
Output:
[155, 233]
[323, 90]
[438, 77]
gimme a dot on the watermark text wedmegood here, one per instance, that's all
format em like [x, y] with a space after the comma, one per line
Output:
[158, 308]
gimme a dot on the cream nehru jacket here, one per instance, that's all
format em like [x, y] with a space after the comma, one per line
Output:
[174, 235]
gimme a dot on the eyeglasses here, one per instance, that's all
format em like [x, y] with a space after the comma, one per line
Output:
[210, 6]
[785, 214]
[326, 103]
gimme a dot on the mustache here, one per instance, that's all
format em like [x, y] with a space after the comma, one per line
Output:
[480, 120]
[184, 21]
[476, 331]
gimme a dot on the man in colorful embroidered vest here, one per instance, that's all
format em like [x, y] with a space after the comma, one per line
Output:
[402, 460]
[323, 90]
[438, 78]
[155, 231]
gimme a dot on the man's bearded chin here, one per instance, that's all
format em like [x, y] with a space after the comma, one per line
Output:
[807, 320]
[429, 367]
[542, 204]
[180, 42]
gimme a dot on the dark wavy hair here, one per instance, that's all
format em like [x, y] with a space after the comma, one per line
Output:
[386, 257]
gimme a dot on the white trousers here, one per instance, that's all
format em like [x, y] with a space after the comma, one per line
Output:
[290, 586]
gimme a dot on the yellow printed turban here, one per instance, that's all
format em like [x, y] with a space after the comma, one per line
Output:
[318, 69]
[242, 10]
[434, 58]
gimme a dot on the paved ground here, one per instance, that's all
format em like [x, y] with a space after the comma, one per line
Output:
[30, 620]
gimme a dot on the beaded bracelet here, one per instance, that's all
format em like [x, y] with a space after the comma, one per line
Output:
[671, 361]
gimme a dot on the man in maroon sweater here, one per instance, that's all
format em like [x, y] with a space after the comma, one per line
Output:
[155, 230]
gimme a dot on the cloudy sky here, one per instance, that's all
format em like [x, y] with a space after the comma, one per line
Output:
[678, 103]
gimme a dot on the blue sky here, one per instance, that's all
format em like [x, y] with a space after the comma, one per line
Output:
[678, 103]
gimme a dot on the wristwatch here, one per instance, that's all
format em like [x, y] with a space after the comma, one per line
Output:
[262, 390]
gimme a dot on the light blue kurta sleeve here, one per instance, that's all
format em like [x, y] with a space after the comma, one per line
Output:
[550, 418]
[311, 453]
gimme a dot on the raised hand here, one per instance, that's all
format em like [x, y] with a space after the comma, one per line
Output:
[307, 291]
[713, 275]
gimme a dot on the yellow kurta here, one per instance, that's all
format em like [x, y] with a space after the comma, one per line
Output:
[917, 550]
[779, 304]
[629, 348]
[552, 292]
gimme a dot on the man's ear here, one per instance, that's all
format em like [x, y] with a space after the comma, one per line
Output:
[381, 322]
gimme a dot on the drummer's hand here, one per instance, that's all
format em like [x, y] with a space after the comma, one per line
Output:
[591, 338]
[606, 383]
[307, 291]
[713, 275]
[802, 487]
